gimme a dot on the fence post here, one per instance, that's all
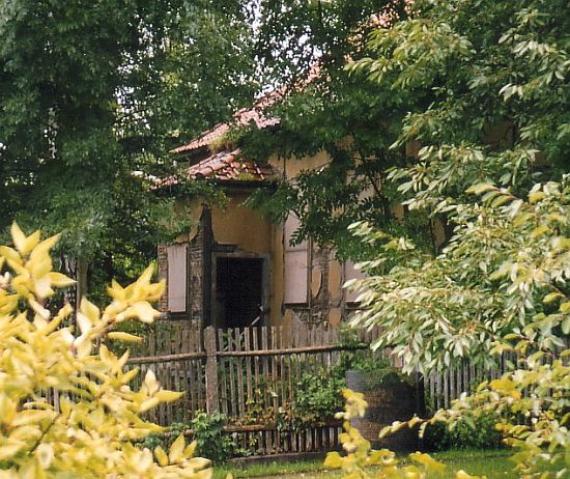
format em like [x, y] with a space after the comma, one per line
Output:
[212, 401]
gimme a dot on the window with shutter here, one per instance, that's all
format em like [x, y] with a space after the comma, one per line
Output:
[296, 265]
[177, 281]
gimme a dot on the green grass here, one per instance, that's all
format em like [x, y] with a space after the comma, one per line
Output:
[493, 464]
[312, 467]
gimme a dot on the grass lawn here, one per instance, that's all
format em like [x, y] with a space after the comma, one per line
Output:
[493, 464]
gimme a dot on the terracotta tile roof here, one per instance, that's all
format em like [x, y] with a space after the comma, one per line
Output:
[242, 117]
[205, 139]
[226, 166]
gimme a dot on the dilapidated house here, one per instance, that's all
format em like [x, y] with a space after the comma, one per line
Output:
[235, 268]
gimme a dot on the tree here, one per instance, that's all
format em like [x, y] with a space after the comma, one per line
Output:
[306, 47]
[493, 160]
[488, 131]
[92, 432]
[483, 91]
[94, 92]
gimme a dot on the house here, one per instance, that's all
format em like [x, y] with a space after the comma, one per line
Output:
[236, 268]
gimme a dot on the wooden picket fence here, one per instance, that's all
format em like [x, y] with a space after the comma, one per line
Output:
[174, 351]
[441, 388]
[257, 374]
[251, 375]
[248, 374]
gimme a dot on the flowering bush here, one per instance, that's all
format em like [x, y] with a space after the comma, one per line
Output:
[90, 433]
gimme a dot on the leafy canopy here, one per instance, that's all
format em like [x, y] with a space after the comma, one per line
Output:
[93, 95]
[493, 161]
[352, 120]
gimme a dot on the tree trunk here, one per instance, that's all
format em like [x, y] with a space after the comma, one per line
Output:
[81, 267]
[75, 268]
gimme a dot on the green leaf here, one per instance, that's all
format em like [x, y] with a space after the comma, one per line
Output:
[552, 297]
[480, 188]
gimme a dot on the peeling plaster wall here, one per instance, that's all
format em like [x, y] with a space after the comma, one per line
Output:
[241, 226]
[325, 293]
[327, 298]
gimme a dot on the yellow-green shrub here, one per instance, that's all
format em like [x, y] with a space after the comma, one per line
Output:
[533, 401]
[356, 464]
[90, 434]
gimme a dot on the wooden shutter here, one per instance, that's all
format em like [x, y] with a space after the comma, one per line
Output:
[296, 265]
[177, 278]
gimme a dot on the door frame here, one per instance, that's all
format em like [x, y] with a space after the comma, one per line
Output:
[265, 280]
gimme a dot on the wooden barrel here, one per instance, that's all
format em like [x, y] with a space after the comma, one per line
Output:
[390, 398]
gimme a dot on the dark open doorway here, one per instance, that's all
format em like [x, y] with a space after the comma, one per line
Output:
[238, 295]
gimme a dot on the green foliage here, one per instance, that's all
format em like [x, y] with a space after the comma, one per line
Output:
[353, 121]
[318, 394]
[358, 356]
[481, 158]
[529, 407]
[207, 432]
[167, 438]
[361, 461]
[485, 288]
[93, 95]
[294, 35]
[211, 440]
[494, 161]
[479, 433]
[532, 403]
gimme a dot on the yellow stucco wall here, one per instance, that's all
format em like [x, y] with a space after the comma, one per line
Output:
[250, 232]
[239, 225]
[236, 224]
[246, 228]
[292, 167]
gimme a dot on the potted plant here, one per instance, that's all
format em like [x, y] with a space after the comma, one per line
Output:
[391, 396]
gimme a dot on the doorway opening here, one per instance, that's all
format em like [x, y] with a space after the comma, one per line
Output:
[238, 295]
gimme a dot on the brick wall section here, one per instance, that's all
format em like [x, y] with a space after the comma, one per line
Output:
[163, 274]
[195, 276]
